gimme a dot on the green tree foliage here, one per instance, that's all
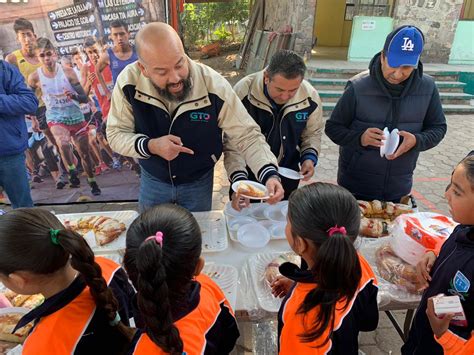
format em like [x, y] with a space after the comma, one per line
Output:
[206, 22]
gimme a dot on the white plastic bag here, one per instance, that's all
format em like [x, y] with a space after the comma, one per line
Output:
[414, 233]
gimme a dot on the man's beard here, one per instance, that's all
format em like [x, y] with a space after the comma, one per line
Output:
[172, 97]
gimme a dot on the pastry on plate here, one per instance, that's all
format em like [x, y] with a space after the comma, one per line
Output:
[106, 229]
[249, 190]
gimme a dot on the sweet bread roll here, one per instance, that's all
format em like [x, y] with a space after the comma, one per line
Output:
[249, 190]
[33, 301]
[365, 208]
[19, 300]
[10, 295]
[371, 227]
[377, 207]
[402, 209]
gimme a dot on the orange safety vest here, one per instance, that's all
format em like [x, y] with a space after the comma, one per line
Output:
[195, 325]
[295, 324]
[455, 345]
[60, 332]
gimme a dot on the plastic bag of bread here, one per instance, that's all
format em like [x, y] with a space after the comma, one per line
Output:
[373, 227]
[385, 210]
[415, 233]
[395, 270]
[272, 269]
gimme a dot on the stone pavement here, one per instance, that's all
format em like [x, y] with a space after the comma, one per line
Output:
[431, 177]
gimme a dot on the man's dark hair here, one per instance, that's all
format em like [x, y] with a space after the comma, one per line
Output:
[119, 23]
[286, 63]
[89, 42]
[22, 24]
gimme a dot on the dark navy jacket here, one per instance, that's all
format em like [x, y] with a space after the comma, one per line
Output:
[367, 103]
[16, 100]
[139, 113]
[452, 274]
[293, 131]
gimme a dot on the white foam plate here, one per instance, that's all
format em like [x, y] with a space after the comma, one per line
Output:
[226, 276]
[235, 187]
[383, 147]
[393, 142]
[213, 230]
[390, 144]
[258, 263]
[127, 217]
[290, 174]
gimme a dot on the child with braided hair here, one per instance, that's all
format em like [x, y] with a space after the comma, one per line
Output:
[87, 299]
[181, 310]
[335, 297]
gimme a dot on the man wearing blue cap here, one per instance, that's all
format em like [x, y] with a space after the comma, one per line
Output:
[393, 93]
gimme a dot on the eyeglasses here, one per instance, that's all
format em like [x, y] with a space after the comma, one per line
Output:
[46, 54]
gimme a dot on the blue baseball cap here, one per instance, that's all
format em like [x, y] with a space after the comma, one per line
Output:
[403, 46]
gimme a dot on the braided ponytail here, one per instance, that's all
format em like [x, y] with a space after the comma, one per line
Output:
[32, 239]
[154, 300]
[162, 271]
[83, 260]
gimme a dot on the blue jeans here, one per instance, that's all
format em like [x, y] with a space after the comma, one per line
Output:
[14, 180]
[195, 196]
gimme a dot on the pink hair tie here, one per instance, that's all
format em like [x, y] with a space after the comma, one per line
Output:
[337, 229]
[158, 238]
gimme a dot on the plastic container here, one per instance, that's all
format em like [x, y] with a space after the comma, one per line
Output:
[274, 213]
[257, 210]
[229, 211]
[238, 222]
[253, 236]
[277, 230]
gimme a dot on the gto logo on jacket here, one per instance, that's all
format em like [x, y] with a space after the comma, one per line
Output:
[301, 116]
[200, 117]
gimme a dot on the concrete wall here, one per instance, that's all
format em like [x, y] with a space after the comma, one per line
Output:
[462, 51]
[368, 37]
[437, 19]
[297, 13]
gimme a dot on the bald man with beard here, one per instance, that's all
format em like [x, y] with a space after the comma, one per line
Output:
[172, 113]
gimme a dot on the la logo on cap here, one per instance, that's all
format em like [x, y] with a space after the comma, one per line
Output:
[408, 44]
[403, 46]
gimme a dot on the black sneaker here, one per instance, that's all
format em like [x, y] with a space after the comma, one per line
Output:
[95, 188]
[37, 178]
[74, 179]
[60, 184]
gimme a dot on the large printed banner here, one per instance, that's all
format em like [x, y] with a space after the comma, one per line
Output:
[116, 176]
[73, 23]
